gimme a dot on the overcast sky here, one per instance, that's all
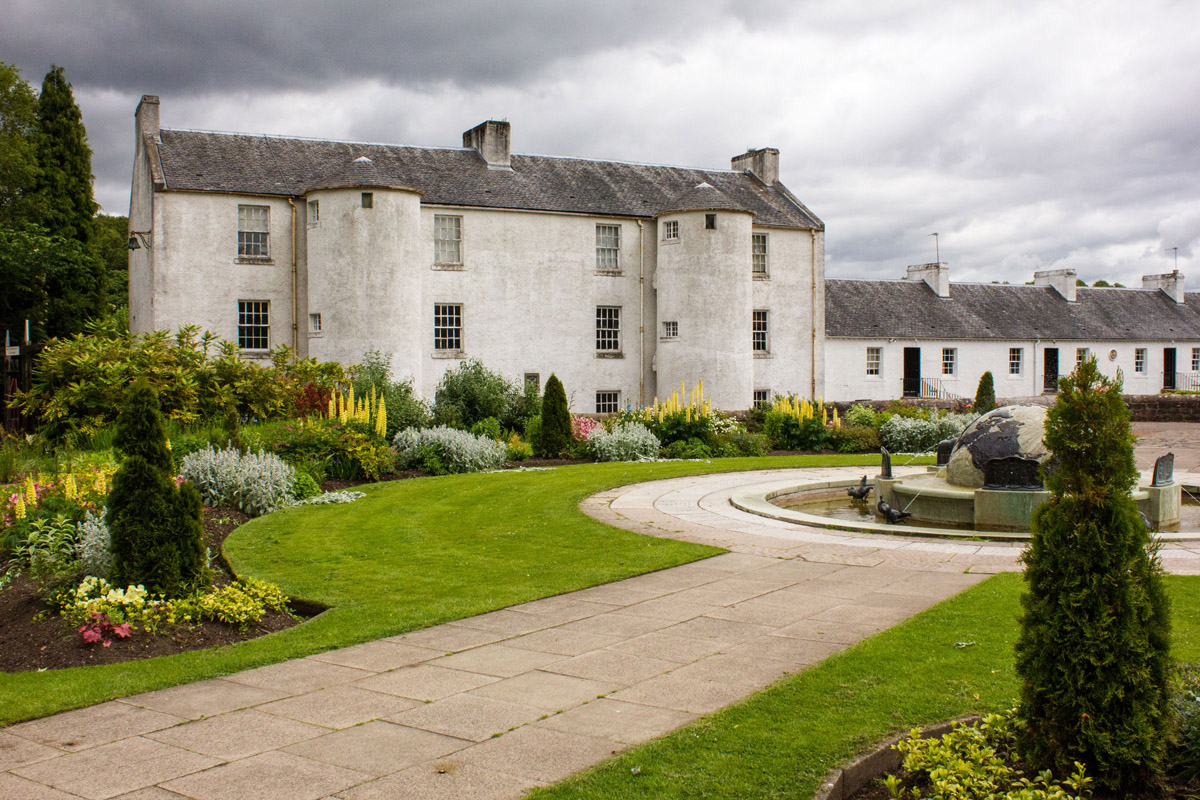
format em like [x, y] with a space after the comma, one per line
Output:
[1029, 135]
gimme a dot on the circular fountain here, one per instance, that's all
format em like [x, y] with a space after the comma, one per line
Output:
[986, 485]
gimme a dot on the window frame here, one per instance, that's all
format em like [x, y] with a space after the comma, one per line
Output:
[1082, 354]
[448, 328]
[670, 329]
[670, 230]
[534, 378]
[447, 244]
[761, 398]
[314, 323]
[612, 397]
[608, 250]
[759, 258]
[249, 247]
[878, 360]
[760, 331]
[254, 320]
[1196, 359]
[710, 222]
[368, 200]
[1016, 360]
[314, 213]
[1141, 360]
[949, 361]
[608, 330]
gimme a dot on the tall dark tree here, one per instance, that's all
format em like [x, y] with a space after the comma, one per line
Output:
[1093, 653]
[49, 280]
[18, 150]
[63, 187]
[985, 394]
[110, 234]
[555, 435]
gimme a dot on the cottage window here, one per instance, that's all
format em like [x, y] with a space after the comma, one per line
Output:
[254, 324]
[314, 213]
[710, 222]
[671, 231]
[1016, 355]
[447, 327]
[608, 247]
[1081, 355]
[254, 232]
[1196, 359]
[759, 254]
[607, 402]
[314, 323]
[368, 199]
[533, 382]
[1139, 360]
[670, 330]
[608, 329]
[447, 239]
[762, 398]
[760, 333]
[874, 360]
[949, 360]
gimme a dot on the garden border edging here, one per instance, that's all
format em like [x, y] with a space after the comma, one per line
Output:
[843, 782]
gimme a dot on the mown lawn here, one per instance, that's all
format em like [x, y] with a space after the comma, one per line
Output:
[410, 554]
[781, 742]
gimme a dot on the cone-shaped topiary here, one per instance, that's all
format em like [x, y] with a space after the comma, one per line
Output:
[985, 394]
[155, 528]
[1093, 650]
[555, 435]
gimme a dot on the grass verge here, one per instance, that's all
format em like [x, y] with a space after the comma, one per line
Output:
[782, 741]
[410, 554]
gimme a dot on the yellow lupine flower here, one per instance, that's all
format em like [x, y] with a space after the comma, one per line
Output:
[30, 492]
[69, 488]
[19, 508]
[331, 413]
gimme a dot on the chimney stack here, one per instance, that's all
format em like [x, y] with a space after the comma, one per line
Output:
[491, 140]
[1063, 281]
[1169, 282]
[146, 116]
[937, 276]
[763, 162]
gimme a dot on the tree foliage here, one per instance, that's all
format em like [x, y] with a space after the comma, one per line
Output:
[107, 245]
[555, 436]
[985, 394]
[63, 201]
[472, 393]
[155, 528]
[49, 280]
[1093, 651]
[18, 151]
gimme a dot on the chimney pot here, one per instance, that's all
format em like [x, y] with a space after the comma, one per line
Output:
[937, 276]
[1169, 282]
[1063, 281]
[763, 162]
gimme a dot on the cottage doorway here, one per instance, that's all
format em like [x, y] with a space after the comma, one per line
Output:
[1050, 370]
[912, 372]
[1168, 368]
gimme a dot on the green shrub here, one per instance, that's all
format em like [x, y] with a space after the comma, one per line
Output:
[628, 441]
[156, 530]
[860, 416]
[489, 428]
[517, 449]
[444, 450]
[404, 408]
[1184, 754]
[1093, 649]
[741, 443]
[554, 435]
[786, 432]
[691, 448]
[855, 439]
[472, 393]
[985, 395]
[352, 451]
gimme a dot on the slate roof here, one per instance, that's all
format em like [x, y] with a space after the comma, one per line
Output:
[911, 310]
[220, 162]
[704, 197]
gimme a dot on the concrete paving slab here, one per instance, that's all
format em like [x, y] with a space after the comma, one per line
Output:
[547, 691]
[468, 716]
[629, 723]
[510, 623]
[150, 793]
[792, 651]
[862, 614]
[754, 673]
[563, 642]
[89, 727]
[99, 773]
[443, 780]
[681, 693]
[378, 748]
[610, 666]
[16, 751]
[237, 734]
[424, 682]
[721, 630]
[670, 647]
[203, 698]
[616, 623]
[826, 631]
[298, 676]
[270, 776]
[538, 753]
[339, 706]
[669, 608]
[499, 660]
[378, 656]
[562, 609]
[772, 611]
[616, 594]
[13, 787]
[447, 638]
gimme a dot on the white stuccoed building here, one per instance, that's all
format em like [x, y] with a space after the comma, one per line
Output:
[623, 279]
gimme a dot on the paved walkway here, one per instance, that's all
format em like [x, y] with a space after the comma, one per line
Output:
[487, 707]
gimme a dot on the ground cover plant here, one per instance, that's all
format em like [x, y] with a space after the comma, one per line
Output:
[408, 555]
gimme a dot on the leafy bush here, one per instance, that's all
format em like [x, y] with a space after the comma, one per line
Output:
[856, 439]
[304, 486]
[554, 431]
[787, 432]
[472, 392]
[1184, 754]
[320, 447]
[93, 547]
[691, 448]
[740, 443]
[447, 450]
[901, 434]
[517, 449]
[582, 426]
[1093, 651]
[860, 416]
[156, 530]
[254, 483]
[629, 441]
[985, 394]
[405, 409]
[48, 550]
[488, 428]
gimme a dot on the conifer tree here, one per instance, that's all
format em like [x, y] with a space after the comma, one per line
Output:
[63, 187]
[555, 435]
[985, 394]
[155, 528]
[1092, 655]
[18, 152]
